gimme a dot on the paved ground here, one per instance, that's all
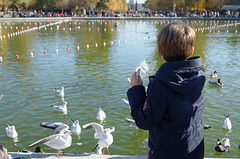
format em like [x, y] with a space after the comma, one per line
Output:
[77, 156]
[73, 156]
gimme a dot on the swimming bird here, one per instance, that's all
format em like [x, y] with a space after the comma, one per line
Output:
[61, 108]
[59, 92]
[75, 128]
[207, 127]
[1, 96]
[214, 74]
[1, 59]
[57, 127]
[216, 83]
[131, 122]
[227, 123]
[11, 131]
[31, 53]
[223, 145]
[100, 115]
[125, 103]
[104, 136]
[39, 150]
[57, 141]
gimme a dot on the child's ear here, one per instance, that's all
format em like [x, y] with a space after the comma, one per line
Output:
[192, 51]
[159, 52]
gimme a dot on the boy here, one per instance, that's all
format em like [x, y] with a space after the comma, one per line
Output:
[172, 108]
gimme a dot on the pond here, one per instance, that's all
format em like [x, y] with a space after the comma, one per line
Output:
[97, 77]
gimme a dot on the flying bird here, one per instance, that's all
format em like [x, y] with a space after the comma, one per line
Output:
[104, 136]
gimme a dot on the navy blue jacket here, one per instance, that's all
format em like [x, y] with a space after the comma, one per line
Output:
[172, 110]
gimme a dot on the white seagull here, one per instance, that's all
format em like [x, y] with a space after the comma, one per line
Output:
[227, 123]
[61, 108]
[57, 127]
[104, 136]
[11, 131]
[100, 115]
[59, 92]
[75, 128]
[57, 141]
[125, 103]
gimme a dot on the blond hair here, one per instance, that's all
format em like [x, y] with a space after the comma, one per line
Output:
[175, 41]
[3, 152]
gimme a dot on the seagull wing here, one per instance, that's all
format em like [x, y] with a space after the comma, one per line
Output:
[59, 129]
[41, 141]
[99, 130]
[51, 125]
[56, 126]
[126, 103]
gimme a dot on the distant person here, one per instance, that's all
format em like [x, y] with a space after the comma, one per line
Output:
[3, 152]
[172, 107]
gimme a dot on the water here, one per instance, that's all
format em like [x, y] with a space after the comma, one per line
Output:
[97, 77]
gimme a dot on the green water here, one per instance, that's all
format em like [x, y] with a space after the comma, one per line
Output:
[97, 77]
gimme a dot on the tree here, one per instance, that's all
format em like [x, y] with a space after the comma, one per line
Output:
[6, 4]
[62, 5]
[101, 5]
[148, 4]
[39, 4]
[164, 4]
[26, 3]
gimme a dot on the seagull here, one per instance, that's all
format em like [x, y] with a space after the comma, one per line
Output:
[57, 141]
[1, 96]
[227, 123]
[100, 115]
[131, 122]
[57, 127]
[11, 131]
[75, 128]
[104, 136]
[59, 92]
[1, 59]
[125, 103]
[223, 145]
[61, 108]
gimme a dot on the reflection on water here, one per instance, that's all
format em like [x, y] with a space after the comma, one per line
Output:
[96, 77]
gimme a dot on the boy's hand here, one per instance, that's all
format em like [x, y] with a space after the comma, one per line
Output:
[136, 79]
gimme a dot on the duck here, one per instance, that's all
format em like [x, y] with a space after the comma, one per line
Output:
[214, 74]
[207, 127]
[227, 123]
[39, 150]
[101, 114]
[216, 83]
[104, 136]
[222, 145]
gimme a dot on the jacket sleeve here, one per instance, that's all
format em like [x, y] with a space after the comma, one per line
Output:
[147, 111]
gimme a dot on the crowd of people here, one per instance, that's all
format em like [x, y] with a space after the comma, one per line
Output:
[85, 13]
